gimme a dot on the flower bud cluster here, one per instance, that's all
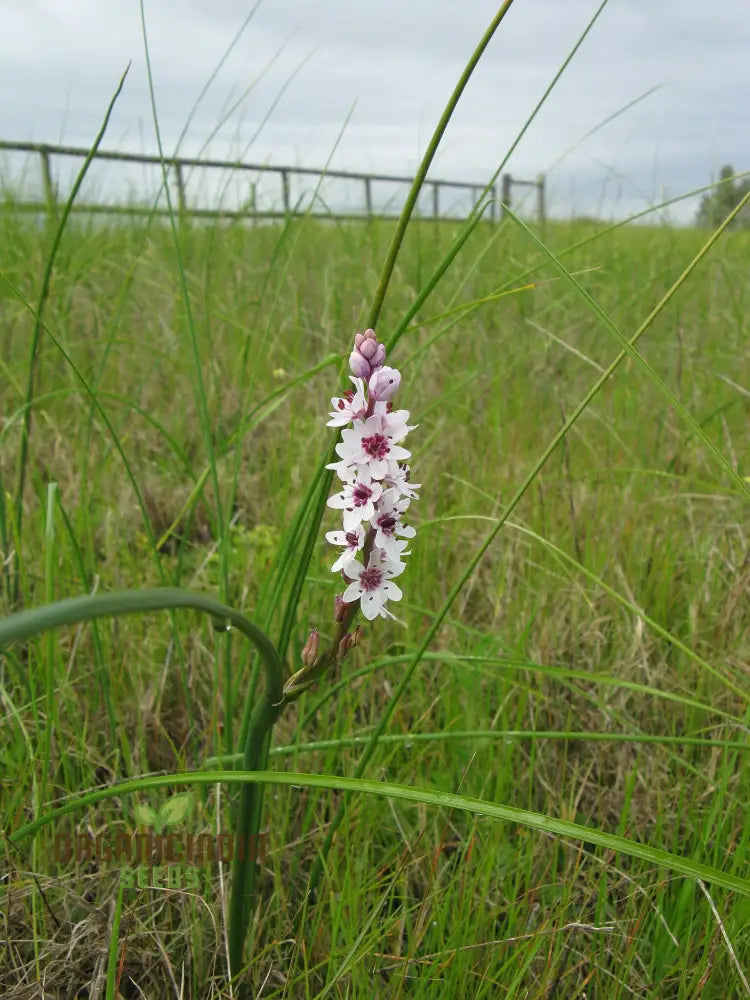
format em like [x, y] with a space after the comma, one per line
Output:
[376, 488]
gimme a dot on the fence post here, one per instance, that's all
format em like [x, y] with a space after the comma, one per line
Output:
[540, 200]
[368, 197]
[49, 187]
[285, 190]
[435, 200]
[181, 201]
[507, 181]
[493, 203]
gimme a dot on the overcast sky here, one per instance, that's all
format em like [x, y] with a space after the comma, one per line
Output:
[388, 67]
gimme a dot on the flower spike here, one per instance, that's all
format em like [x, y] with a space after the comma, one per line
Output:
[376, 486]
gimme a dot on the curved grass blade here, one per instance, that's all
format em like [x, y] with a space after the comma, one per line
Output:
[404, 793]
[39, 312]
[490, 735]
[25, 624]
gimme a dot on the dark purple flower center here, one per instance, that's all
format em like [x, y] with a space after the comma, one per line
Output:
[371, 578]
[387, 523]
[348, 398]
[376, 446]
[361, 495]
[352, 540]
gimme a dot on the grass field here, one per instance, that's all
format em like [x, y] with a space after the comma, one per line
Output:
[603, 638]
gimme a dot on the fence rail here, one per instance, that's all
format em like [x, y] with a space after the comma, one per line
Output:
[179, 166]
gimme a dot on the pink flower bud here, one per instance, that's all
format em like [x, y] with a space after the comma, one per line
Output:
[384, 383]
[310, 650]
[367, 348]
[359, 366]
[358, 338]
[378, 357]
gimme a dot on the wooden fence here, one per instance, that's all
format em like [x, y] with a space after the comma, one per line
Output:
[431, 207]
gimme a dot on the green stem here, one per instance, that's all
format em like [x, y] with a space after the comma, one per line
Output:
[265, 712]
[424, 166]
[244, 866]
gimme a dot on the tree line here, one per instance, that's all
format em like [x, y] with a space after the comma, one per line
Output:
[717, 204]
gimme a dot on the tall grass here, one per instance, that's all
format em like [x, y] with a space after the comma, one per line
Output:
[591, 648]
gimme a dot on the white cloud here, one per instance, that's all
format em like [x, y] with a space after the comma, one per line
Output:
[396, 63]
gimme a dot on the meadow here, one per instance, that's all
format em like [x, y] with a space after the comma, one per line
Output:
[594, 668]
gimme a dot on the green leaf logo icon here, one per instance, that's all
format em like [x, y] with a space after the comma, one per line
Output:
[144, 814]
[175, 809]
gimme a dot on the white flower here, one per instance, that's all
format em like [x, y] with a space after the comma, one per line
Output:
[374, 442]
[357, 499]
[351, 540]
[349, 407]
[397, 478]
[373, 586]
[388, 526]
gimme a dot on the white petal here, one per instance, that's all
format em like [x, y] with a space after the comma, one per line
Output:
[338, 538]
[371, 603]
[353, 592]
[339, 419]
[391, 591]
[377, 467]
[339, 501]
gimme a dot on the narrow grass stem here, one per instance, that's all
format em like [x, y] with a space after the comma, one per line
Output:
[23, 457]
[266, 711]
[424, 166]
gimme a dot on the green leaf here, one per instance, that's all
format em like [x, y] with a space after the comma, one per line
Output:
[428, 796]
[144, 814]
[176, 808]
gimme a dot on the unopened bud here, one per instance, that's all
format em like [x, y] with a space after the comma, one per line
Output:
[359, 366]
[367, 356]
[310, 650]
[340, 608]
[376, 361]
[384, 383]
[349, 641]
[367, 348]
